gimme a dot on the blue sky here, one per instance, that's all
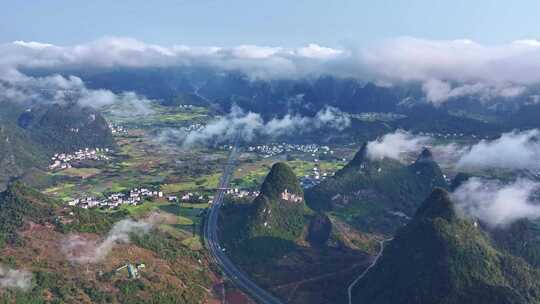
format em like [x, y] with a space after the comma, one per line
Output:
[288, 23]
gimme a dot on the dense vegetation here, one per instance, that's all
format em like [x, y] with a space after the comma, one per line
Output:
[28, 138]
[440, 258]
[520, 239]
[374, 195]
[19, 203]
[280, 178]
[91, 221]
[269, 226]
[17, 152]
[64, 128]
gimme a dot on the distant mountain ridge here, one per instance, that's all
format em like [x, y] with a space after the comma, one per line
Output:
[306, 96]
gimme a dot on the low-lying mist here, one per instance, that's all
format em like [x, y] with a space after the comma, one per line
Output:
[248, 126]
[81, 250]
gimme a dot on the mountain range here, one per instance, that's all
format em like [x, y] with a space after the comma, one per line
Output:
[439, 257]
[377, 195]
[306, 96]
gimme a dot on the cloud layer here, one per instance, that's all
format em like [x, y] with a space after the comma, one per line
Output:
[19, 88]
[396, 145]
[457, 68]
[256, 61]
[498, 204]
[445, 68]
[249, 126]
[494, 202]
[514, 150]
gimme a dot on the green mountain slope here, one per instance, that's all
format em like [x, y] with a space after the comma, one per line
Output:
[17, 151]
[440, 258]
[279, 215]
[66, 127]
[521, 239]
[33, 237]
[19, 203]
[29, 137]
[274, 223]
[377, 195]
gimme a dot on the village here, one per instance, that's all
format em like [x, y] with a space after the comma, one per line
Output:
[376, 116]
[452, 135]
[117, 129]
[135, 196]
[314, 178]
[269, 150]
[192, 127]
[61, 161]
[238, 193]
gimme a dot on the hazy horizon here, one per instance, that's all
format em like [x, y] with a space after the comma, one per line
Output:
[268, 23]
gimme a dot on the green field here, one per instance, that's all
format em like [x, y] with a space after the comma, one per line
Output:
[80, 172]
[206, 182]
[160, 116]
[251, 175]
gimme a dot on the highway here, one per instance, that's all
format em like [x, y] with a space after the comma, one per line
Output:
[239, 278]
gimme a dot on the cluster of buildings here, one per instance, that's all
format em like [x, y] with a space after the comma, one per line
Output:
[291, 197]
[270, 150]
[191, 197]
[377, 116]
[114, 200]
[451, 135]
[62, 161]
[237, 193]
[313, 178]
[117, 130]
[193, 127]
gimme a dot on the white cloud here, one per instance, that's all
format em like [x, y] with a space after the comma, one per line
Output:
[461, 61]
[19, 88]
[514, 150]
[79, 249]
[333, 118]
[396, 145]
[498, 204]
[316, 51]
[83, 251]
[254, 52]
[256, 61]
[472, 68]
[446, 68]
[438, 91]
[13, 278]
[248, 126]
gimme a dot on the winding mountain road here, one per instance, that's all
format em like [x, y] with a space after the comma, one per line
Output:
[363, 274]
[238, 277]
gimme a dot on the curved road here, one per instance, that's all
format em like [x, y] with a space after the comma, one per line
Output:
[239, 278]
[363, 274]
